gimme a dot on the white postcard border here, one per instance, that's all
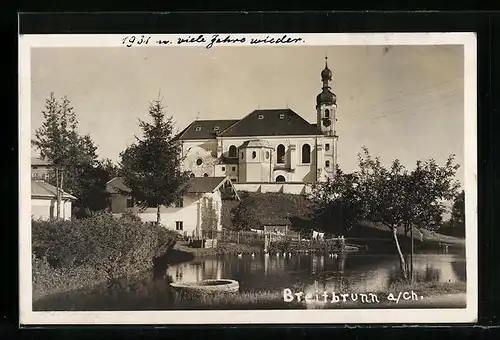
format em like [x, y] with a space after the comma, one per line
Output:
[340, 316]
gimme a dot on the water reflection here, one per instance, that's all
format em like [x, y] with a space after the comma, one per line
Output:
[357, 272]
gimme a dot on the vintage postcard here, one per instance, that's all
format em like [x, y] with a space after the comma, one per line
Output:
[248, 179]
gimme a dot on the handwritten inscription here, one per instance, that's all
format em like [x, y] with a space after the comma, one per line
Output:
[335, 297]
[210, 41]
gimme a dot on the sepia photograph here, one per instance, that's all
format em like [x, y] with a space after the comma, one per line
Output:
[216, 178]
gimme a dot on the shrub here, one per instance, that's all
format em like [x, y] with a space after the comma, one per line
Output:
[112, 247]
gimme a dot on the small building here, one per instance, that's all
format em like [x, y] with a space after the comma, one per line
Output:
[188, 215]
[276, 225]
[44, 201]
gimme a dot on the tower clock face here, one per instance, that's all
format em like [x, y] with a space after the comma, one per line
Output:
[327, 122]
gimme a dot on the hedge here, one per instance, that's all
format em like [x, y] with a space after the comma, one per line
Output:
[76, 253]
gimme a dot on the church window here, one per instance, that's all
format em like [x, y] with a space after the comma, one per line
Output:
[280, 150]
[242, 155]
[192, 175]
[254, 154]
[280, 178]
[198, 128]
[327, 164]
[306, 153]
[223, 168]
[199, 161]
[261, 116]
[232, 151]
[327, 147]
[327, 113]
[205, 175]
[234, 168]
[267, 154]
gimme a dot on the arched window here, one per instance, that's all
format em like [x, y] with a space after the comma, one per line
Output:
[192, 176]
[232, 151]
[205, 175]
[254, 154]
[280, 178]
[327, 113]
[306, 153]
[280, 150]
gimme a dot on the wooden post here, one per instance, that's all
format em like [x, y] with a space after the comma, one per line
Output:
[411, 256]
[58, 196]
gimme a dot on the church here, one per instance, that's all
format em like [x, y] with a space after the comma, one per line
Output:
[276, 148]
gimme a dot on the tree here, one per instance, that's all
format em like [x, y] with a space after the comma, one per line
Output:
[73, 155]
[245, 213]
[151, 167]
[336, 204]
[455, 226]
[458, 210]
[392, 196]
[399, 198]
[209, 218]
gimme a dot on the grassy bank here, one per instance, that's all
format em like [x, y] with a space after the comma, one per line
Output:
[70, 255]
[275, 300]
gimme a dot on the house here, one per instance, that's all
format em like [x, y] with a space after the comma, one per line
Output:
[189, 215]
[39, 168]
[267, 148]
[44, 201]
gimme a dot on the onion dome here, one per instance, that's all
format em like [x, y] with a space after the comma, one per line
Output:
[326, 97]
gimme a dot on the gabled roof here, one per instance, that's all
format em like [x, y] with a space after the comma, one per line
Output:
[205, 129]
[270, 122]
[275, 221]
[196, 184]
[42, 189]
[116, 186]
[205, 184]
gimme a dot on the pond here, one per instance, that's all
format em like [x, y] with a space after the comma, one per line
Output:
[260, 275]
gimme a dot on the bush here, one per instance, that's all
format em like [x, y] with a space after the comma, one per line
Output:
[111, 246]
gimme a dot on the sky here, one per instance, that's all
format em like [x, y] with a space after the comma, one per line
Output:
[404, 102]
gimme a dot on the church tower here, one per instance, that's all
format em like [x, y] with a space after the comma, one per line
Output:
[326, 143]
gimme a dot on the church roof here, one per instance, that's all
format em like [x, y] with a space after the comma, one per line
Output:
[205, 129]
[270, 122]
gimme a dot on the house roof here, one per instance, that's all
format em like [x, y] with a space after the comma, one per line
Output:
[196, 184]
[275, 221]
[35, 161]
[205, 129]
[270, 122]
[116, 185]
[42, 189]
